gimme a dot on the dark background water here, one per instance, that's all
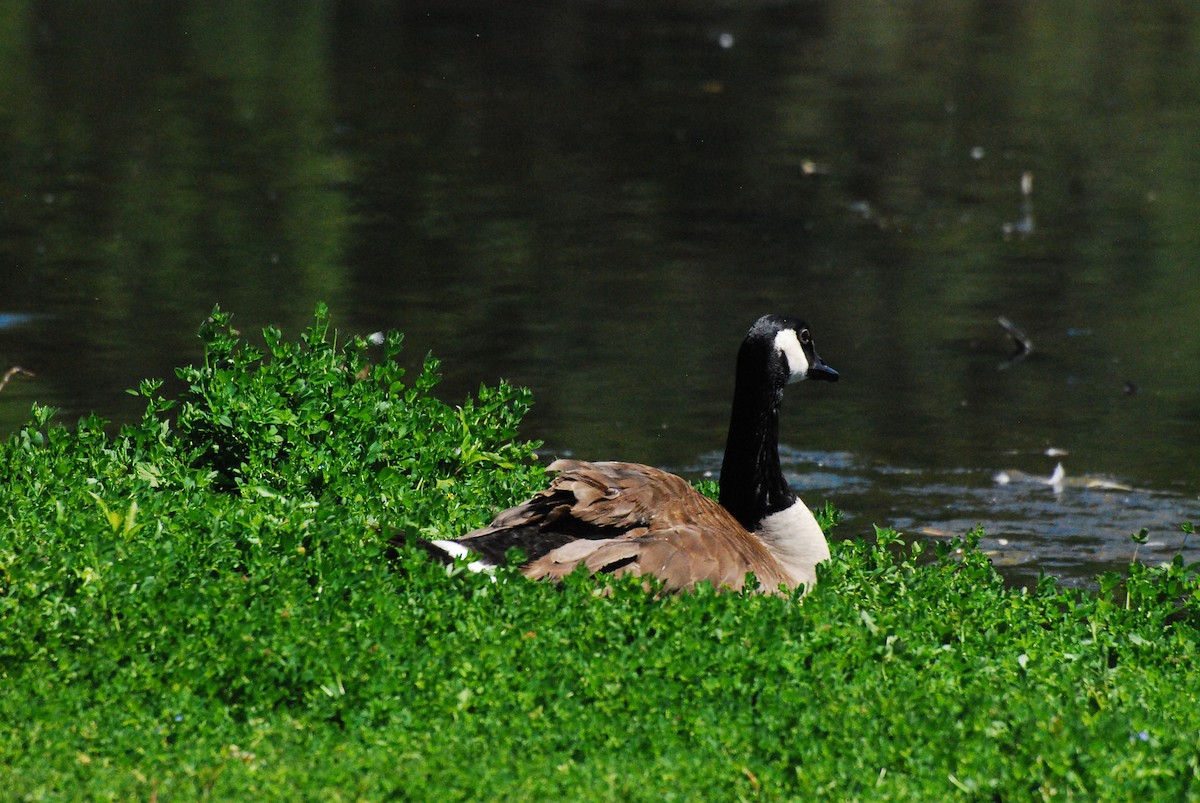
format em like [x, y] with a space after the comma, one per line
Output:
[596, 199]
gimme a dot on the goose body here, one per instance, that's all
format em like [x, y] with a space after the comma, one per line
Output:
[628, 518]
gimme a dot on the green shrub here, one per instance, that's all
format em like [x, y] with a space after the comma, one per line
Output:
[201, 605]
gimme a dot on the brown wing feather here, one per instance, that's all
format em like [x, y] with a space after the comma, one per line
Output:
[627, 518]
[686, 555]
[682, 537]
[621, 494]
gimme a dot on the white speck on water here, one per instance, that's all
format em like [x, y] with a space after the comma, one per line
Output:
[725, 40]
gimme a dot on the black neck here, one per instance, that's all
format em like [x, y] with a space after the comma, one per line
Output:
[752, 481]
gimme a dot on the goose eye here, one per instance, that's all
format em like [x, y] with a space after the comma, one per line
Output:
[805, 337]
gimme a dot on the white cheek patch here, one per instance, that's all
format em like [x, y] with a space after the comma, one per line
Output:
[787, 342]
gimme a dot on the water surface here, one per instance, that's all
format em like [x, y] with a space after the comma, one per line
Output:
[596, 199]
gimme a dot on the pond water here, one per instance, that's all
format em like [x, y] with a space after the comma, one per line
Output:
[596, 199]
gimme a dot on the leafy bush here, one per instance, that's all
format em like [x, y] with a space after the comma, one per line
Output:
[201, 606]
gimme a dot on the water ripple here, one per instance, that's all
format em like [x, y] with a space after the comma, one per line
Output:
[1073, 530]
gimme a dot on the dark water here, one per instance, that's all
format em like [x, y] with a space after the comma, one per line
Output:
[597, 199]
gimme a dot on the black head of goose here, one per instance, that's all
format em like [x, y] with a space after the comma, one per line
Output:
[627, 518]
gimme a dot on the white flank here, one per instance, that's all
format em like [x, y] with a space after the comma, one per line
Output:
[452, 548]
[787, 342]
[479, 566]
[796, 541]
[458, 552]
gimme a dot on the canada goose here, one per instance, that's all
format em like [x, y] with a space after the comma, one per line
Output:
[626, 518]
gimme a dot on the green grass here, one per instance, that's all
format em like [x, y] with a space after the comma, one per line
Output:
[202, 605]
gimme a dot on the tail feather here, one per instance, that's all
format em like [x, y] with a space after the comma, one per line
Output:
[446, 549]
[450, 551]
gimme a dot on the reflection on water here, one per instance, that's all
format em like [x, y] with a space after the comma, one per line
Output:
[596, 199]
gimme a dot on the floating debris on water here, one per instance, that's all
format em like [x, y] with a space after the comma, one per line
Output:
[1025, 225]
[16, 370]
[1058, 480]
[1021, 340]
[1005, 558]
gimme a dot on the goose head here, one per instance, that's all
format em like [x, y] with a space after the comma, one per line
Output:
[788, 346]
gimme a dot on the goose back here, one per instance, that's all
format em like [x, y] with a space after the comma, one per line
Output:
[626, 518]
